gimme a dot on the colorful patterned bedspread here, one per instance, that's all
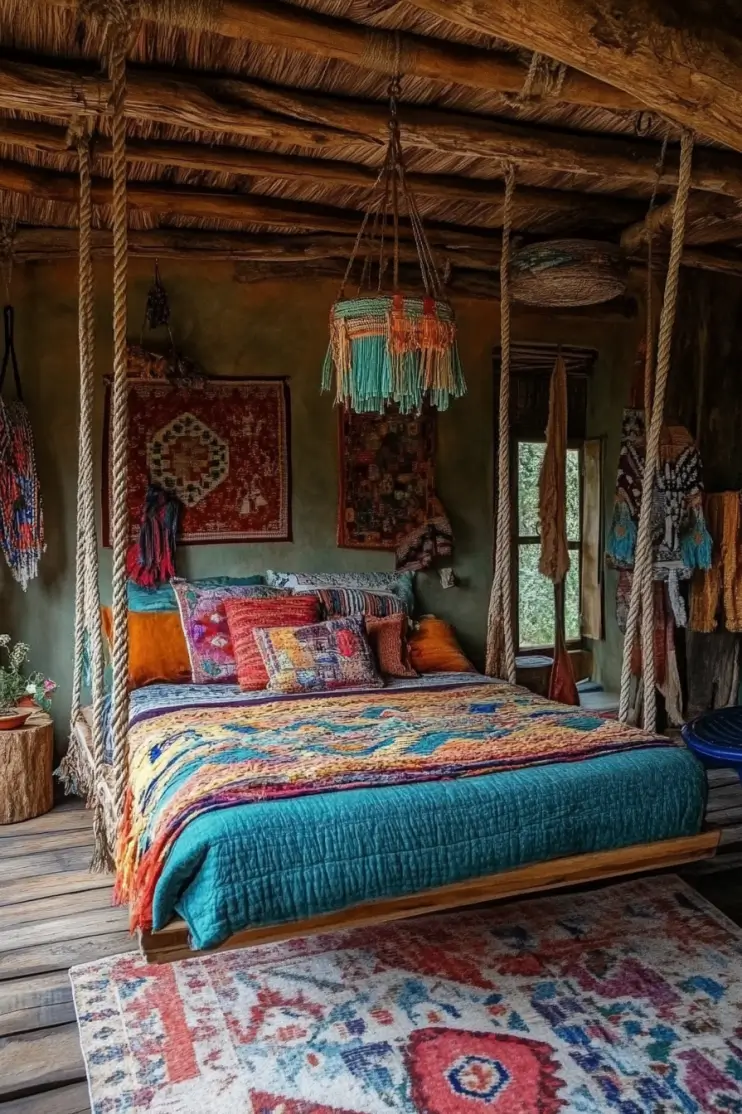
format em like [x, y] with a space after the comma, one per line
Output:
[192, 760]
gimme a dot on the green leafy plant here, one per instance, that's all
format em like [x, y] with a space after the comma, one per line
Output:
[17, 685]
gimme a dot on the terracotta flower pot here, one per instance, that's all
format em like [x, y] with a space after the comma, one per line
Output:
[13, 720]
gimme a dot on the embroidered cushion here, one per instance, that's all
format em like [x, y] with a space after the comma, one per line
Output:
[340, 602]
[157, 647]
[434, 648]
[243, 616]
[163, 598]
[324, 656]
[400, 583]
[388, 638]
[206, 629]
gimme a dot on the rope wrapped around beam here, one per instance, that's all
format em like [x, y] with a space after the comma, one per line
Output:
[500, 660]
[642, 599]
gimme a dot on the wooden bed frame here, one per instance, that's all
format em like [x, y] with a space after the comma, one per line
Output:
[171, 943]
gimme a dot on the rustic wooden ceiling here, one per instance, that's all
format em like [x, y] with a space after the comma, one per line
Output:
[268, 119]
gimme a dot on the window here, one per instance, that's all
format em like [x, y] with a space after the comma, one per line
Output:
[535, 594]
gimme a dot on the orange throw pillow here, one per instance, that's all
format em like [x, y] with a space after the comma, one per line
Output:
[388, 638]
[435, 649]
[157, 647]
[244, 615]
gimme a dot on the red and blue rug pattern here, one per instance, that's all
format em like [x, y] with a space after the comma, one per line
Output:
[626, 999]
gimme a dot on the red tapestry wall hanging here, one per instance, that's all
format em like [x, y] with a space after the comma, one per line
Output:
[221, 446]
[387, 477]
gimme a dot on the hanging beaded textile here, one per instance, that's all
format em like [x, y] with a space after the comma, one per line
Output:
[388, 346]
[21, 514]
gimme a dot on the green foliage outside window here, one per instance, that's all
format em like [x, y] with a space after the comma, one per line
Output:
[535, 592]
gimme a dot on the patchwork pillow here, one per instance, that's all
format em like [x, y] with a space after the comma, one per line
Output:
[157, 647]
[400, 583]
[434, 648]
[206, 629]
[388, 638]
[243, 616]
[341, 602]
[324, 656]
[163, 598]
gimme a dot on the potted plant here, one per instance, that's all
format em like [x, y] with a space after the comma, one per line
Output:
[20, 692]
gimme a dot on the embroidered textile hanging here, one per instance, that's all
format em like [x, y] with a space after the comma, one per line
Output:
[680, 537]
[21, 510]
[387, 494]
[390, 346]
[221, 446]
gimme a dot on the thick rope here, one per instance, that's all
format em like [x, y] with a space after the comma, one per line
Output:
[102, 856]
[119, 425]
[500, 644]
[647, 591]
[642, 587]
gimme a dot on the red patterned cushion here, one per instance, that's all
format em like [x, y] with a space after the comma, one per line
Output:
[388, 638]
[243, 616]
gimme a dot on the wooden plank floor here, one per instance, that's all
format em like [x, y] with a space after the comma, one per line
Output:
[53, 915]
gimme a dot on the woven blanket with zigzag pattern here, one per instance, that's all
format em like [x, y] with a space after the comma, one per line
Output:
[191, 760]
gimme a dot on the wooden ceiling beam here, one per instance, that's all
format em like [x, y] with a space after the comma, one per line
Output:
[710, 220]
[162, 199]
[321, 122]
[275, 24]
[530, 203]
[41, 243]
[49, 243]
[690, 72]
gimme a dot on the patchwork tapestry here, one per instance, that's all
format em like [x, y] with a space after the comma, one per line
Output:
[189, 761]
[624, 1000]
[220, 445]
[387, 477]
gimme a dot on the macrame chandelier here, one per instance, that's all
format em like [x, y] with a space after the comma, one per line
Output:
[390, 347]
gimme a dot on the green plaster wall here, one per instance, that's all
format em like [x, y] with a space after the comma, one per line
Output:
[269, 328]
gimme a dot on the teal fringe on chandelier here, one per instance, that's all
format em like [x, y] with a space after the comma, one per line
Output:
[387, 347]
[393, 349]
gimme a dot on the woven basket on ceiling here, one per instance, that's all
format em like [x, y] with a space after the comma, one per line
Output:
[566, 273]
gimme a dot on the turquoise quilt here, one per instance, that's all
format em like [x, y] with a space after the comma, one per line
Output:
[279, 860]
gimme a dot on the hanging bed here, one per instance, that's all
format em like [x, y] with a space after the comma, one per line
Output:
[290, 849]
[238, 818]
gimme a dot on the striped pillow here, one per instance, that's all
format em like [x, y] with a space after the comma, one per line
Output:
[243, 616]
[341, 602]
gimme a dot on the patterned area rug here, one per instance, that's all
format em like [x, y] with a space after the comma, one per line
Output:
[627, 999]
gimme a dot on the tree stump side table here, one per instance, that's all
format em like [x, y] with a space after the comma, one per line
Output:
[26, 760]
